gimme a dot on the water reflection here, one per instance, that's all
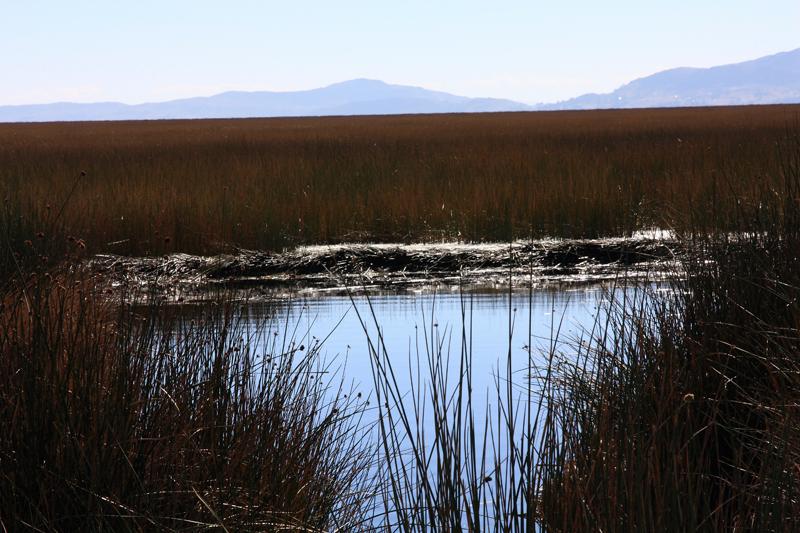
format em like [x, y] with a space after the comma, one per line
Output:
[409, 326]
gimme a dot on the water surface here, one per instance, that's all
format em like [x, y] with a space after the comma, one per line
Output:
[409, 326]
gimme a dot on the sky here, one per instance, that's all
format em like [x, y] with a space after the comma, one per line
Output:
[530, 51]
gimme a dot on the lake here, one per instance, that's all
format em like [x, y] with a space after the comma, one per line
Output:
[410, 325]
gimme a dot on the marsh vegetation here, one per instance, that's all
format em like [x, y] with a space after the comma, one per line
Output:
[204, 186]
[676, 411]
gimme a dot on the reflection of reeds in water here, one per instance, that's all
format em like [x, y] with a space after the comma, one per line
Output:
[452, 457]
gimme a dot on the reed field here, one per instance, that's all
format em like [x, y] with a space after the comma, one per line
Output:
[679, 411]
[202, 186]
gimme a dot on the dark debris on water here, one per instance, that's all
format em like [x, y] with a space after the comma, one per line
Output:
[386, 265]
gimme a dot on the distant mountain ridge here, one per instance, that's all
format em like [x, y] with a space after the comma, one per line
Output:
[768, 80]
[354, 97]
[773, 79]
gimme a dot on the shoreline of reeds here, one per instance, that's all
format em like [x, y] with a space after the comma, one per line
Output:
[207, 187]
[678, 412]
[665, 418]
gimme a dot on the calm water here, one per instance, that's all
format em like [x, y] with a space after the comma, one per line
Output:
[412, 325]
[489, 324]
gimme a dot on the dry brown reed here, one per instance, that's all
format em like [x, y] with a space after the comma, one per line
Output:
[199, 186]
[683, 415]
[123, 417]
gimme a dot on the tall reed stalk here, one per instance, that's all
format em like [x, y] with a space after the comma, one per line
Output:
[454, 457]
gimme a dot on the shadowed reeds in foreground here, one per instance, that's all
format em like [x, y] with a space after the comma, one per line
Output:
[125, 418]
[690, 419]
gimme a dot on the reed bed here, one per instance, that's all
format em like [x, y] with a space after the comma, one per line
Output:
[123, 417]
[688, 418]
[454, 458]
[202, 186]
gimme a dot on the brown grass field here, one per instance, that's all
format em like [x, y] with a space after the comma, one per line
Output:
[200, 186]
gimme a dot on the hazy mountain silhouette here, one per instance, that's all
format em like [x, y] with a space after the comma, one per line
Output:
[768, 80]
[355, 97]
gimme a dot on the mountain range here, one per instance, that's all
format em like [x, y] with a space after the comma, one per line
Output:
[773, 79]
[767, 80]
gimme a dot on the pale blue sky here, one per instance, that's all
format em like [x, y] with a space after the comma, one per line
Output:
[531, 51]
